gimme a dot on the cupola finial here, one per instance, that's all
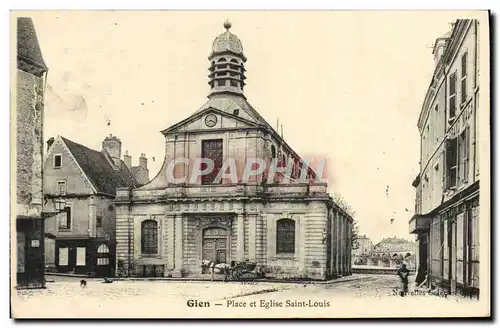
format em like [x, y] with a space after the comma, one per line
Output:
[227, 24]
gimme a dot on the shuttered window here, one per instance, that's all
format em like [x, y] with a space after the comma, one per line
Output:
[463, 80]
[452, 98]
[451, 163]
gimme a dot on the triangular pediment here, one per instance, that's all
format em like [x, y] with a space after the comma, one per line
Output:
[211, 119]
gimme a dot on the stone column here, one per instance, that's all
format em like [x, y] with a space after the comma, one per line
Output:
[179, 245]
[240, 237]
[349, 249]
[344, 254]
[252, 237]
[169, 227]
[342, 245]
[337, 242]
[333, 244]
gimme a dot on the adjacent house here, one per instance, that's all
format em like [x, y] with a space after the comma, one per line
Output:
[80, 186]
[28, 114]
[446, 220]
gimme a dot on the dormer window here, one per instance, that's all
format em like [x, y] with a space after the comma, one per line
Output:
[57, 161]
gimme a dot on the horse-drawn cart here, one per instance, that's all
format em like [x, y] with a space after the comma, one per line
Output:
[245, 271]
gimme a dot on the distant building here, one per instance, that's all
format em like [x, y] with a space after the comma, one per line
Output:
[392, 252]
[362, 245]
[80, 183]
[30, 85]
[394, 245]
[139, 172]
[446, 220]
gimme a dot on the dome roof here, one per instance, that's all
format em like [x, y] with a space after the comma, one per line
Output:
[227, 41]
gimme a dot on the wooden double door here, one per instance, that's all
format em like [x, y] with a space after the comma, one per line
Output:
[215, 245]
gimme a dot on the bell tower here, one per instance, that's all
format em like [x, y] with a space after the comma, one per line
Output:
[227, 65]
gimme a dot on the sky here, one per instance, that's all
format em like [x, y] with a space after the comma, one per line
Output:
[347, 86]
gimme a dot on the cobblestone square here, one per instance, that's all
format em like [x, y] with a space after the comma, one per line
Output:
[361, 295]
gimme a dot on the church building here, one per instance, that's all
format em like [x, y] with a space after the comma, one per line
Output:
[288, 224]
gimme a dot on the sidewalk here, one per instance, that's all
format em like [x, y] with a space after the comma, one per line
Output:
[218, 278]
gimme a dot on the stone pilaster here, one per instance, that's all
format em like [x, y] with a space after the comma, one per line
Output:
[338, 247]
[252, 236]
[92, 228]
[333, 245]
[240, 237]
[179, 246]
[342, 245]
[169, 227]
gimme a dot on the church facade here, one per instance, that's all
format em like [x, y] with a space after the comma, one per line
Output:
[287, 222]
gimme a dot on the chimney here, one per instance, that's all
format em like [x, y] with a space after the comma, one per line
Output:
[127, 159]
[50, 142]
[143, 161]
[113, 146]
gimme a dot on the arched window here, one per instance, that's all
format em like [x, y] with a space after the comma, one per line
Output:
[234, 61]
[273, 151]
[285, 236]
[222, 60]
[149, 237]
[103, 249]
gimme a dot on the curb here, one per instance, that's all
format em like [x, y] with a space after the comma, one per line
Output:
[69, 275]
[304, 282]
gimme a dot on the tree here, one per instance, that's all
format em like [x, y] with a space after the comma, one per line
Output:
[341, 202]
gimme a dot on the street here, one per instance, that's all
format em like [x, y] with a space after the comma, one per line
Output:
[368, 295]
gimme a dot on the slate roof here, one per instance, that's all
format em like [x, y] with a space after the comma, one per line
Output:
[97, 168]
[28, 47]
[135, 170]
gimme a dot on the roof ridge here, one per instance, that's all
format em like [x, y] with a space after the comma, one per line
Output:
[99, 170]
[81, 145]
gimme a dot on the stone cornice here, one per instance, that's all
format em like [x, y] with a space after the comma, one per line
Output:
[29, 66]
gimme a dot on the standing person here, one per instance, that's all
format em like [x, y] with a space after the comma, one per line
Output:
[403, 274]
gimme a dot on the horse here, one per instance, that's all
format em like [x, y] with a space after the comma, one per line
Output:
[211, 266]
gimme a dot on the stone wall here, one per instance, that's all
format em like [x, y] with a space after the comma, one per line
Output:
[29, 144]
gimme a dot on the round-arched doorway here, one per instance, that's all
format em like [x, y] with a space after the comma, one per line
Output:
[215, 245]
[104, 265]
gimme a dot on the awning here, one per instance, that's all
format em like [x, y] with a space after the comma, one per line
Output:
[420, 223]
